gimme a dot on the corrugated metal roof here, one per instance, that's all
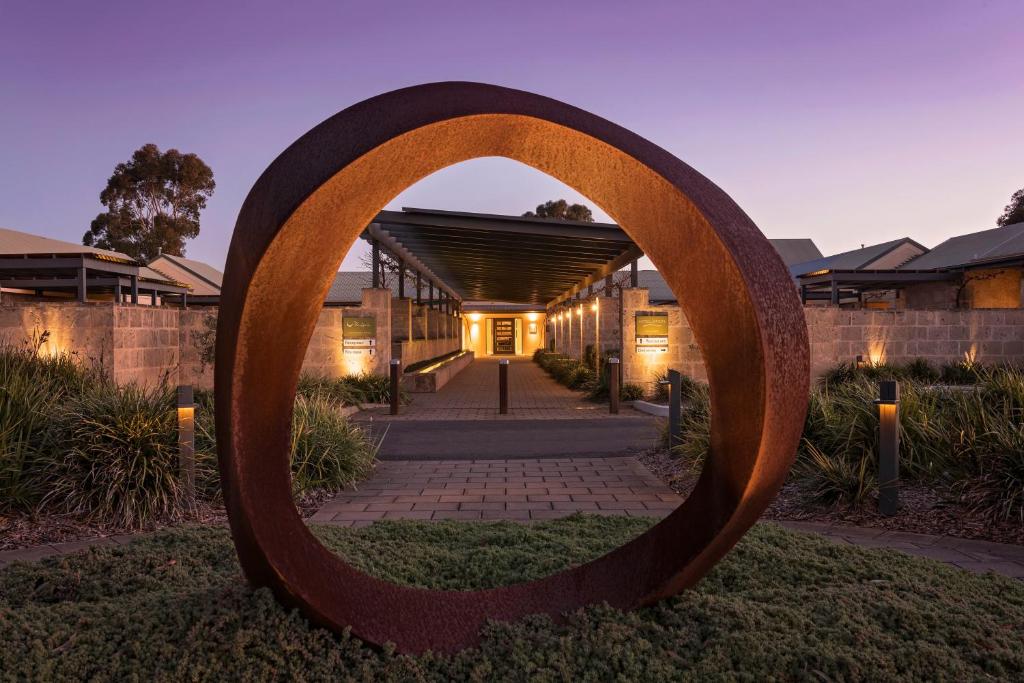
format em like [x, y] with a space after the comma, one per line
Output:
[19, 242]
[202, 278]
[348, 287]
[1004, 242]
[796, 250]
[854, 259]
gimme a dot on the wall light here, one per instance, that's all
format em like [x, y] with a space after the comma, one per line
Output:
[475, 317]
[532, 317]
[593, 306]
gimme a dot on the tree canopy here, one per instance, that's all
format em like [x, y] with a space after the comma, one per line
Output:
[1014, 211]
[562, 210]
[153, 202]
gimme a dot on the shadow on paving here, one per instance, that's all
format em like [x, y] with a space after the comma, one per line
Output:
[481, 439]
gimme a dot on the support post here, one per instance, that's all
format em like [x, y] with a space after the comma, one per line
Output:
[187, 445]
[503, 386]
[419, 288]
[152, 298]
[375, 258]
[613, 386]
[888, 446]
[83, 292]
[608, 285]
[835, 293]
[430, 301]
[401, 279]
[117, 291]
[135, 288]
[803, 294]
[675, 405]
[396, 369]
[634, 274]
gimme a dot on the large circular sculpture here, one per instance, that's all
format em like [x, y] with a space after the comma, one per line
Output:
[311, 204]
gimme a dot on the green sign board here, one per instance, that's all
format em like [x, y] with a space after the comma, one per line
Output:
[358, 328]
[651, 325]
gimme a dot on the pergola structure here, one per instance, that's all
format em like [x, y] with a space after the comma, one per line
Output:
[836, 285]
[83, 273]
[485, 257]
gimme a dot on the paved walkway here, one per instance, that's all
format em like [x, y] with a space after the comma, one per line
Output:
[519, 490]
[473, 395]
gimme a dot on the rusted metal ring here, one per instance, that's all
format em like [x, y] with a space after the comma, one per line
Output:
[310, 205]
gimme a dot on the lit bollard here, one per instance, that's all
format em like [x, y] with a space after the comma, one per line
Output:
[396, 369]
[675, 408]
[613, 386]
[187, 444]
[888, 446]
[503, 386]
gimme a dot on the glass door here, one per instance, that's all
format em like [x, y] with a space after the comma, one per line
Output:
[504, 336]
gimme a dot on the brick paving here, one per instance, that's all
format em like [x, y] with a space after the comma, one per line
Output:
[518, 490]
[473, 395]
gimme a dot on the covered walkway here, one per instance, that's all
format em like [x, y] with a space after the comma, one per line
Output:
[473, 395]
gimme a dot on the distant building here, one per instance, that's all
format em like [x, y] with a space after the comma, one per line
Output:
[35, 267]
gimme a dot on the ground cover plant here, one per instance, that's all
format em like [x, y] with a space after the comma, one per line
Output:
[72, 442]
[781, 606]
[966, 439]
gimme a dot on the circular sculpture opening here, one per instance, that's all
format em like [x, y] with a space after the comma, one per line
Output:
[309, 207]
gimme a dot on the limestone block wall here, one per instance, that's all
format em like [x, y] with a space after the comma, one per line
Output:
[840, 335]
[423, 349]
[194, 336]
[85, 330]
[146, 344]
[401, 320]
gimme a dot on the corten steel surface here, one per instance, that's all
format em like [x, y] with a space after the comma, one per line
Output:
[312, 203]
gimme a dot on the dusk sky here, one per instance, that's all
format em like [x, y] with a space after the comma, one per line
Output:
[850, 123]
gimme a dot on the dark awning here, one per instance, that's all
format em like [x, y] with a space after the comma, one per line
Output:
[485, 257]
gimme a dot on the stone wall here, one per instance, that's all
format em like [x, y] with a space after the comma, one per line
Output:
[840, 335]
[146, 344]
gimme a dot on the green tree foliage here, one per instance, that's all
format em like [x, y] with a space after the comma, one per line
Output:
[153, 203]
[1014, 211]
[563, 211]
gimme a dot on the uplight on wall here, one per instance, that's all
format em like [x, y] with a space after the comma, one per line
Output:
[593, 306]
[532, 317]
[475, 317]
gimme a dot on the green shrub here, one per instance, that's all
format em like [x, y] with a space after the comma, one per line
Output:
[579, 376]
[967, 438]
[350, 390]
[113, 455]
[631, 392]
[328, 451]
[32, 387]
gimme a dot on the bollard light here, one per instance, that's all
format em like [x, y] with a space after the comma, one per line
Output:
[396, 368]
[187, 444]
[859, 362]
[503, 386]
[888, 446]
[613, 386]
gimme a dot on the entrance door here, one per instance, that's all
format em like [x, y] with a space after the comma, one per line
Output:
[504, 336]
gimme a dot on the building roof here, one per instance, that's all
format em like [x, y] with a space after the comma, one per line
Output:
[976, 248]
[348, 286]
[867, 257]
[486, 257]
[18, 242]
[202, 278]
[797, 250]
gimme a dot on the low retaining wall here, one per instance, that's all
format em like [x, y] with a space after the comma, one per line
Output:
[430, 382]
[423, 349]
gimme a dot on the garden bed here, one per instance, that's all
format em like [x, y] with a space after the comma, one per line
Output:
[782, 605]
[923, 510]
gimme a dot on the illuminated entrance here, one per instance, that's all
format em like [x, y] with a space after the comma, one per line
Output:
[503, 331]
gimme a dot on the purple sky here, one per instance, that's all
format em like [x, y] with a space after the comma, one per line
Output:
[850, 123]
